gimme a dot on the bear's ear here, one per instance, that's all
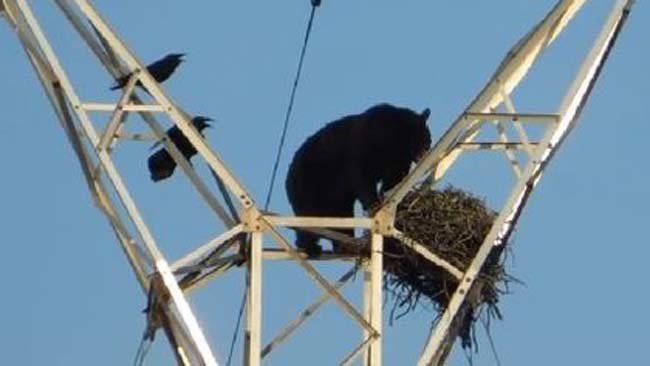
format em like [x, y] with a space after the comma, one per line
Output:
[425, 114]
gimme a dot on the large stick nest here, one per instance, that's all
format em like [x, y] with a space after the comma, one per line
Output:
[451, 224]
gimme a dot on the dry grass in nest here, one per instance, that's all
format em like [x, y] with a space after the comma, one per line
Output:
[452, 224]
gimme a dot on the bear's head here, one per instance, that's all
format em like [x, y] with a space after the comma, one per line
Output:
[408, 127]
[419, 133]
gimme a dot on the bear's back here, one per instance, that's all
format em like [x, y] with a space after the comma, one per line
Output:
[381, 136]
[391, 133]
[330, 144]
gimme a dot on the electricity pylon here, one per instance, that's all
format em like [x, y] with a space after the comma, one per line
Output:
[246, 224]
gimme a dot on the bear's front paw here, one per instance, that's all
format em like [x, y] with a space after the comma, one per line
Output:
[372, 210]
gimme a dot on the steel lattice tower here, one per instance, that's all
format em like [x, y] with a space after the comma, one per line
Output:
[170, 309]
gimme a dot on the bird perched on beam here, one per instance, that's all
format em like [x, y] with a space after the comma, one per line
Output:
[161, 70]
[161, 164]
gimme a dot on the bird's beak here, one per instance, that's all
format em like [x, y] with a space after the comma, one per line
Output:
[181, 56]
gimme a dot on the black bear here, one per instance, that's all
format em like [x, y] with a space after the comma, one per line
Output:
[348, 159]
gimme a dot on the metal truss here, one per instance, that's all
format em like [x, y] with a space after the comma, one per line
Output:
[246, 225]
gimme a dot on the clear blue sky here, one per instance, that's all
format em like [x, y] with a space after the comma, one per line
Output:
[581, 246]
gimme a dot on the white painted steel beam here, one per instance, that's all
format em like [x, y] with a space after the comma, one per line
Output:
[372, 304]
[360, 349]
[206, 248]
[96, 187]
[236, 259]
[317, 277]
[376, 292]
[117, 115]
[211, 274]
[323, 230]
[569, 111]
[56, 96]
[323, 222]
[510, 117]
[253, 341]
[427, 254]
[510, 155]
[523, 137]
[495, 146]
[284, 334]
[509, 74]
[81, 26]
[178, 117]
[177, 299]
[127, 107]
[366, 336]
[104, 53]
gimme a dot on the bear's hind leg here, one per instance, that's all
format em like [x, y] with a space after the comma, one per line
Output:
[309, 243]
[345, 208]
[341, 247]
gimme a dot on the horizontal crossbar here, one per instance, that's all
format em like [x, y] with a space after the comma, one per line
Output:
[107, 107]
[337, 222]
[514, 117]
[495, 145]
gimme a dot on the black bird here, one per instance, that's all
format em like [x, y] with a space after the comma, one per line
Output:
[161, 164]
[161, 70]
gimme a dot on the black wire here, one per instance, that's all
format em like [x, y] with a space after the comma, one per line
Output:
[136, 360]
[287, 116]
[236, 333]
[278, 155]
[143, 350]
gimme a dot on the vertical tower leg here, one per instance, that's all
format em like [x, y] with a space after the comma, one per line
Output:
[254, 304]
[373, 287]
[376, 285]
[367, 306]
[178, 307]
[435, 350]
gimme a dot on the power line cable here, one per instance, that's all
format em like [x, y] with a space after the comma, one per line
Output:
[292, 98]
[278, 156]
